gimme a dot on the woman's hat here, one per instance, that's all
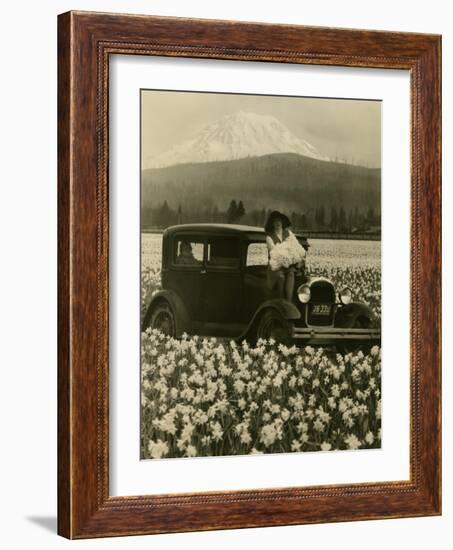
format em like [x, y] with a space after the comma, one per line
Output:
[273, 216]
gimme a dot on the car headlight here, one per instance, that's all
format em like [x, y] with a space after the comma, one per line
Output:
[346, 296]
[304, 293]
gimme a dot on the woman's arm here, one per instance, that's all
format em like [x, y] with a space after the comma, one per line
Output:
[270, 243]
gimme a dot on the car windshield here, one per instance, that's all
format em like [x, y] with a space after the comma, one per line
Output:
[257, 254]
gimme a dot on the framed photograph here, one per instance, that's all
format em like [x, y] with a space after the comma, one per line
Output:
[249, 275]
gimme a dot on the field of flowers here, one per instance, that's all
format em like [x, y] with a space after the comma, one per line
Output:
[204, 397]
[208, 397]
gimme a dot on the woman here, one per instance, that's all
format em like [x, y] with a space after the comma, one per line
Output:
[278, 230]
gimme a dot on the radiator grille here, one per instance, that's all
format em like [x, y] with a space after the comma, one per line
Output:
[321, 308]
[322, 291]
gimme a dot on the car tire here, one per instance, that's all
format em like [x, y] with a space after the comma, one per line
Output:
[272, 325]
[161, 317]
[351, 346]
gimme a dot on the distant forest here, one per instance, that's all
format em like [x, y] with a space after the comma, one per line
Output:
[337, 220]
[315, 195]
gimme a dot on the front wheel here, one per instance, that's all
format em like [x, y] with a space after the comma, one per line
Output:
[272, 325]
[160, 316]
[350, 346]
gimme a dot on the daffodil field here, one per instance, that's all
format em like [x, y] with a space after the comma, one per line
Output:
[212, 397]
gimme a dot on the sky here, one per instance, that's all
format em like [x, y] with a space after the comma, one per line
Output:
[344, 129]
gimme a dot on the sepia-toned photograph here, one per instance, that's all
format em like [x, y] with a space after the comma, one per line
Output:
[260, 274]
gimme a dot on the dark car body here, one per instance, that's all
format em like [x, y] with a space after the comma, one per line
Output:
[222, 290]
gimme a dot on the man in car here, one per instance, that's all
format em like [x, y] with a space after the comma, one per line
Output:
[186, 256]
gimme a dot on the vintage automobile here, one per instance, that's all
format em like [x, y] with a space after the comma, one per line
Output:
[215, 283]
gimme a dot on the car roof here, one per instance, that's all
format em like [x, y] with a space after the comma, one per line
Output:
[249, 232]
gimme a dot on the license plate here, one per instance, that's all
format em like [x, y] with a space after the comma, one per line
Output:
[321, 309]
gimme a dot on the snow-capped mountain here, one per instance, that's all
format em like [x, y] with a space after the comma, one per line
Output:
[235, 136]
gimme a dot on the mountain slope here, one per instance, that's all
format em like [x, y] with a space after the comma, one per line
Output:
[235, 136]
[287, 182]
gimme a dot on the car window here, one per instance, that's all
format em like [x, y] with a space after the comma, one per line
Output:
[223, 252]
[257, 254]
[188, 251]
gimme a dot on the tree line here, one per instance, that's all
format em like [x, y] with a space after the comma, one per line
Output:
[336, 219]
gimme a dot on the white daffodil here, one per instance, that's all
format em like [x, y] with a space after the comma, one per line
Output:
[157, 449]
[352, 442]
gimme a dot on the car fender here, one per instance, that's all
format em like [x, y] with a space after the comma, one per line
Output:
[182, 319]
[347, 314]
[288, 310]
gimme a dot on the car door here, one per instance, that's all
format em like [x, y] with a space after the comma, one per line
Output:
[184, 275]
[221, 287]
